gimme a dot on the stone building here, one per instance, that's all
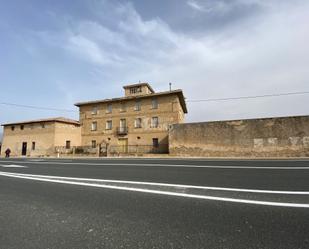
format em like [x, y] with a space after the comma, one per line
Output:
[137, 122]
[40, 137]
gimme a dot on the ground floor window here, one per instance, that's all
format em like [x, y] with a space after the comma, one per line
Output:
[93, 143]
[68, 144]
[155, 142]
[33, 146]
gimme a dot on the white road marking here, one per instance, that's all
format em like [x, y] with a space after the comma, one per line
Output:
[291, 159]
[262, 191]
[170, 165]
[161, 192]
[13, 166]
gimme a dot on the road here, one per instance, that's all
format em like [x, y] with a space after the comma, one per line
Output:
[154, 203]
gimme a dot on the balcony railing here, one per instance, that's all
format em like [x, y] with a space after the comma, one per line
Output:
[122, 130]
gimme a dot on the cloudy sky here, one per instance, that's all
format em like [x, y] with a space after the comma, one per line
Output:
[54, 53]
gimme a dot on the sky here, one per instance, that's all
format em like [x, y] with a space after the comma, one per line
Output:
[55, 53]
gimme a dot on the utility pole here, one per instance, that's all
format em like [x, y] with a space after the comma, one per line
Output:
[170, 86]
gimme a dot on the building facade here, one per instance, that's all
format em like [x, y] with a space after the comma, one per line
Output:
[137, 122]
[40, 137]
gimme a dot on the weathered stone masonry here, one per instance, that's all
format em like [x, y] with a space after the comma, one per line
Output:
[268, 137]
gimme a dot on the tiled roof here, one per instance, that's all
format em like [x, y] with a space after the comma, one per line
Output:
[178, 92]
[139, 84]
[57, 119]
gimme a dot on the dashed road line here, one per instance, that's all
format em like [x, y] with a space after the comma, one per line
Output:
[13, 166]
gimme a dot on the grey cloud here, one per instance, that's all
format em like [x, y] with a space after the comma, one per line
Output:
[262, 54]
[195, 16]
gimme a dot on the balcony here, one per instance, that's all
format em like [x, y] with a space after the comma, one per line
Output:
[122, 131]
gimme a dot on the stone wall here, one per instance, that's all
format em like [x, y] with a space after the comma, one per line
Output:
[268, 137]
[67, 132]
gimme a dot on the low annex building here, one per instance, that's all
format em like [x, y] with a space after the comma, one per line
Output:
[137, 122]
[40, 137]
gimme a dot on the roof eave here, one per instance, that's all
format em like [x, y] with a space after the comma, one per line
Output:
[178, 92]
[42, 121]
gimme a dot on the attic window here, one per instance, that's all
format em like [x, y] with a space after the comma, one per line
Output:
[94, 110]
[109, 108]
[134, 90]
[123, 107]
[154, 103]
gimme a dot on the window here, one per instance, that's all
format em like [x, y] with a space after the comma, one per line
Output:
[94, 126]
[122, 129]
[68, 144]
[94, 110]
[123, 123]
[135, 90]
[33, 146]
[154, 122]
[109, 108]
[109, 125]
[22, 127]
[93, 144]
[12, 128]
[138, 123]
[155, 142]
[137, 105]
[123, 107]
[154, 103]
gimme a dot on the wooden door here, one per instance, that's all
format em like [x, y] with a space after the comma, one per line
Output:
[123, 145]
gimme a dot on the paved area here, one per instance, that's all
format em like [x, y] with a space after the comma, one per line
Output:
[154, 203]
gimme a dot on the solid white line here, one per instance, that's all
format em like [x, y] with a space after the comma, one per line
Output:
[262, 191]
[288, 159]
[169, 193]
[170, 165]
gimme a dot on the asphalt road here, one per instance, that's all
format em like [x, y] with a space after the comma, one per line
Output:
[154, 203]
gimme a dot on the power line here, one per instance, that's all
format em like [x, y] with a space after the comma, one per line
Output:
[37, 107]
[190, 100]
[249, 97]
